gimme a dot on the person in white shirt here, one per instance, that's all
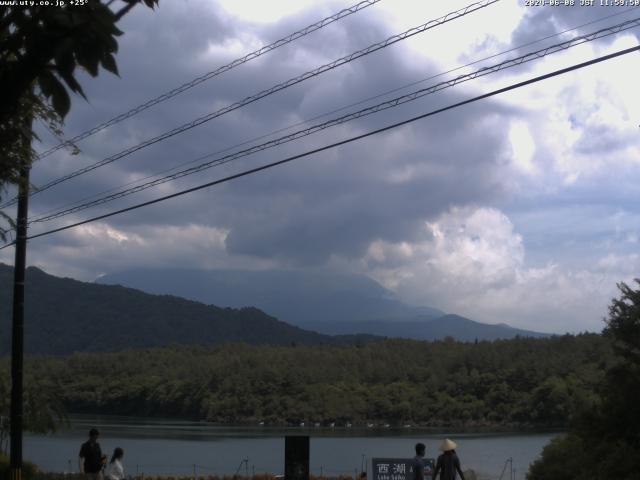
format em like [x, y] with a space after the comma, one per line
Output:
[115, 471]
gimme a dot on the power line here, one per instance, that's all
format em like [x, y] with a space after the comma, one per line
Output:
[351, 116]
[218, 71]
[367, 111]
[293, 81]
[317, 117]
[343, 142]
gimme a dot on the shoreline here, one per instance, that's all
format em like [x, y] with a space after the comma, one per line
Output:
[76, 420]
[158, 451]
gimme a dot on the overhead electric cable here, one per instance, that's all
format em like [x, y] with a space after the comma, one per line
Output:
[293, 81]
[218, 71]
[351, 116]
[317, 117]
[342, 142]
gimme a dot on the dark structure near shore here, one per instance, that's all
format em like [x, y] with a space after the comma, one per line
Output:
[296, 457]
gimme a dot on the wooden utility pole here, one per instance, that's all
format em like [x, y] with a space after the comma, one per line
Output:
[17, 339]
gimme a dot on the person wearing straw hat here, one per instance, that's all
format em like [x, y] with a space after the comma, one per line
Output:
[448, 463]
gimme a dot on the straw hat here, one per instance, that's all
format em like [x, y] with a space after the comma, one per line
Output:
[448, 445]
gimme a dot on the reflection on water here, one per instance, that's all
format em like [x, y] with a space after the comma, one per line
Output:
[184, 447]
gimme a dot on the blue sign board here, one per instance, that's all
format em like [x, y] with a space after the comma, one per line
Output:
[400, 468]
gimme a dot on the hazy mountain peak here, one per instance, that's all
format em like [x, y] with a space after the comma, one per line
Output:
[326, 302]
[294, 296]
[65, 315]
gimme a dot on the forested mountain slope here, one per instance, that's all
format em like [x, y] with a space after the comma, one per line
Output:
[64, 316]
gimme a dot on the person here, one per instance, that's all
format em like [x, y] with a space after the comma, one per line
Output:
[448, 463]
[418, 462]
[115, 470]
[90, 457]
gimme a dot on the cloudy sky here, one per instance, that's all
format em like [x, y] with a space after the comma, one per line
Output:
[522, 208]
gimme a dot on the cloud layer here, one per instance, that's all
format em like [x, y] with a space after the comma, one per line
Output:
[520, 209]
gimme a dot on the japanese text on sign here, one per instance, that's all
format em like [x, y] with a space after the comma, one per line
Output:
[400, 468]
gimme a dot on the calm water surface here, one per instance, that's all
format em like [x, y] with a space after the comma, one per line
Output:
[182, 447]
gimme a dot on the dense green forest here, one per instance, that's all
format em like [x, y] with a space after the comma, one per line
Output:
[519, 382]
[603, 439]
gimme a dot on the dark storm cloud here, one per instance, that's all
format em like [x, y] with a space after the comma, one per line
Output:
[308, 211]
[334, 203]
[150, 68]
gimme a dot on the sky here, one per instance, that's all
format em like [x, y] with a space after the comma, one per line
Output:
[521, 208]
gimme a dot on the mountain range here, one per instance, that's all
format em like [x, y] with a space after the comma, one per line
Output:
[63, 315]
[297, 297]
[326, 302]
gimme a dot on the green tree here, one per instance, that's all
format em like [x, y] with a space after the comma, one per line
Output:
[617, 421]
[604, 441]
[43, 408]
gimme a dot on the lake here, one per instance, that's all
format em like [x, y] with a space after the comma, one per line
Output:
[184, 447]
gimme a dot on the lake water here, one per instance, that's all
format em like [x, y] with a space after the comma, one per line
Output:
[182, 447]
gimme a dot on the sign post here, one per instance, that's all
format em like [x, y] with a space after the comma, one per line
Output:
[400, 468]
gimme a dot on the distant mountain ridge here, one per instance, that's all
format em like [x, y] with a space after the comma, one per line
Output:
[64, 316]
[295, 297]
[324, 302]
[450, 325]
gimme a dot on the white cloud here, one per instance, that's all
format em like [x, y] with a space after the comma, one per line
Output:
[523, 147]
[456, 40]
[581, 124]
[90, 250]
[265, 12]
[472, 262]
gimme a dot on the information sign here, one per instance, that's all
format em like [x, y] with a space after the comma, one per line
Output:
[399, 468]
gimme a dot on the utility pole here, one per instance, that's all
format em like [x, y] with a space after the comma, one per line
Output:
[17, 339]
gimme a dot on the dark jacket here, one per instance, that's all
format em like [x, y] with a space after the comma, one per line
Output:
[447, 466]
[418, 468]
[92, 455]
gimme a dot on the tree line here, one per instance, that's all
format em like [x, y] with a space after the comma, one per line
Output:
[508, 383]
